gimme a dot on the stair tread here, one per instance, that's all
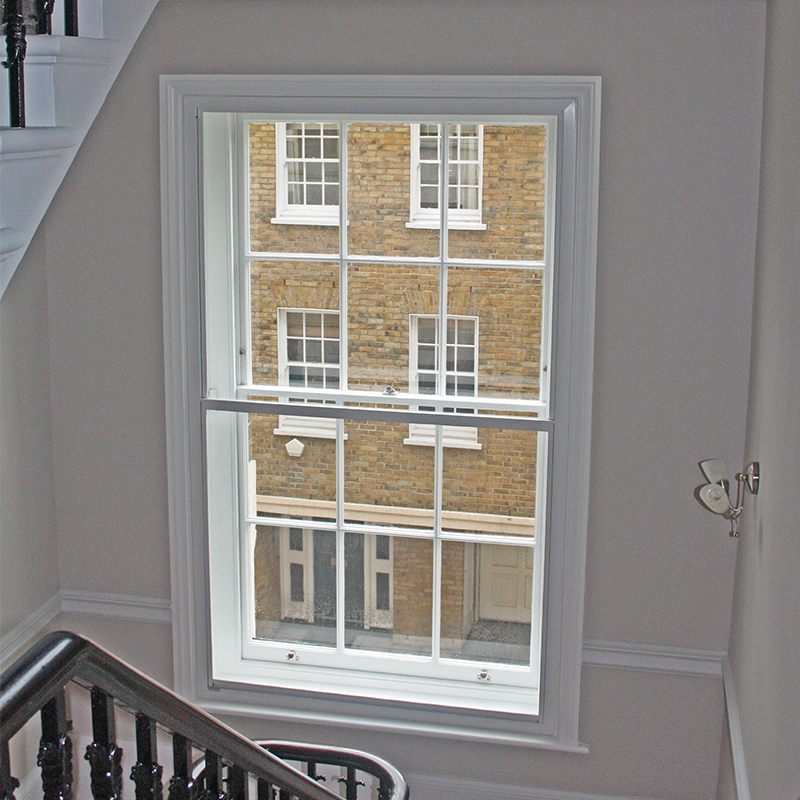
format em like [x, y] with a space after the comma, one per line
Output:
[28, 141]
[69, 48]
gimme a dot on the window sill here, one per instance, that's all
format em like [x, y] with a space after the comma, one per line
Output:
[323, 709]
[295, 427]
[452, 225]
[425, 441]
[306, 219]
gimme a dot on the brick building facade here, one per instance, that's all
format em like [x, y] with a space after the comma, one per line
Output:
[489, 485]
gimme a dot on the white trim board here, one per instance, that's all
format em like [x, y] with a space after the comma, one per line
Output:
[430, 787]
[614, 655]
[735, 730]
[116, 606]
[676, 660]
[26, 632]
[93, 604]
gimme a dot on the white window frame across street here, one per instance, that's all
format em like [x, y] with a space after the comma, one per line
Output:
[293, 425]
[192, 400]
[457, 218]
[425, 435]
[286, 212]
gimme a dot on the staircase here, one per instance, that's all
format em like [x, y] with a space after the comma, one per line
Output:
[64, 679]
[67, 79]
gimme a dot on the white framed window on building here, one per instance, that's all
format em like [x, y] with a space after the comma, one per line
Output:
[306, 173]
[464, 171]
[442, 584]
[308, 357]
[461, 374]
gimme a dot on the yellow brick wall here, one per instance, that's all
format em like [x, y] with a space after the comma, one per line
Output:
[379, 186]
[379, 467]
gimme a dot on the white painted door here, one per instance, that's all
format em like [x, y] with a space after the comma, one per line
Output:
[506, 580]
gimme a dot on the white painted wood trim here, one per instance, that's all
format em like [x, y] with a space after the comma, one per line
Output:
[116, 606]
[430, 787]
[649, 658]
[26, 632]
[578, 100]
[735, 731]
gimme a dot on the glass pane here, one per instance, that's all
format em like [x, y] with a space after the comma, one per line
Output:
[381, 300]
[486, 602]
[287, 483]
[386, 482]
[270, 228]
[508, 304]
[379, 193]
[280, 294]
[514, 173]
[294, 598]
[389, 594]
[491, 489]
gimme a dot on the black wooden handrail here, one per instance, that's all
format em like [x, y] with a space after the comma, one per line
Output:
[392, 783]
[39, 677]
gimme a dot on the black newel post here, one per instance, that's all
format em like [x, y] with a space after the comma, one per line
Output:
[71, 17]
[8, 783]
[43, 16]
[14, 23]
[103, 755]
[146, 772]
[55, 750]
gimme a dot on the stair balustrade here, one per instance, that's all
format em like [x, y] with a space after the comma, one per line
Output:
[229, 766]
[15, 29]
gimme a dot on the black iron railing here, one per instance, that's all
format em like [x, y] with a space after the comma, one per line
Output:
[230, 767]
[15, 28]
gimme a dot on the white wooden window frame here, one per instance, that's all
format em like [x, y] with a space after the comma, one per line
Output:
[468, 219]
[289, 425]
[425, 435]
[287, 213]
[575, 104]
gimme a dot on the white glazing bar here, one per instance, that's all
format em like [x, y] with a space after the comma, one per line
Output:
[340, 559]
[476, 263]
[343, 363]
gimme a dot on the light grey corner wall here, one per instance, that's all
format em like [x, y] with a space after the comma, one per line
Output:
[765, 639]
[28, 546]
[679, 171]
[681, 113]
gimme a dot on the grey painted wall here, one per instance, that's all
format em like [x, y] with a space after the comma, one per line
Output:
[765, 640]
[682, 89]
[28, 545]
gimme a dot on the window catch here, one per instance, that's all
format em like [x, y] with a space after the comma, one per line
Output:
[484, 676]
[292, 656]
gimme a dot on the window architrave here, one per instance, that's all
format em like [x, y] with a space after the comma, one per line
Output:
[575, 101]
